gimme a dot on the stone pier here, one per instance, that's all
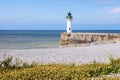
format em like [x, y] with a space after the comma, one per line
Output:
[80, 39]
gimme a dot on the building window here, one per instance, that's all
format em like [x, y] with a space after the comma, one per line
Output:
[69, 28]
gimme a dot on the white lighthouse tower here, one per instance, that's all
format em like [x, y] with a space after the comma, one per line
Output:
[69, 23]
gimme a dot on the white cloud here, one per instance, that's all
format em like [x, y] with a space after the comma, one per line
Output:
[115, 10]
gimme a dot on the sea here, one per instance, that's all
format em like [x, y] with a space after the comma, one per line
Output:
[36, 39]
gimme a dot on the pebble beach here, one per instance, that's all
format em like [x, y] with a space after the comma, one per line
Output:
[69, 55]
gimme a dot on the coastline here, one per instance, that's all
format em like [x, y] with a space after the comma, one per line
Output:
[77, 55]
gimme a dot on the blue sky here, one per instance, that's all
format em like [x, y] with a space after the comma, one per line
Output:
[50, 14]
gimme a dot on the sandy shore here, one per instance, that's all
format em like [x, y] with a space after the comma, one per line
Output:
[78, 55]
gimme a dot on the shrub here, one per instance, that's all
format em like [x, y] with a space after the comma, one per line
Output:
[18, 63]
[62, 71]
[7, 62]
[34, 64]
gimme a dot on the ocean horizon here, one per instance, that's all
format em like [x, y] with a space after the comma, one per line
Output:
[34, 39]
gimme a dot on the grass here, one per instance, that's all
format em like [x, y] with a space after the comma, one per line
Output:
[25, 71]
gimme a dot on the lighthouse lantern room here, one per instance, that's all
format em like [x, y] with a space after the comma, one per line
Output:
[69, 23]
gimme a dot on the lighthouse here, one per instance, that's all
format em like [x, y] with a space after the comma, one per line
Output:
[69, 23]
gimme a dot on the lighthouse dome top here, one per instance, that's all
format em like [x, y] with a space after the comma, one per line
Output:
[69, 16]
[69, 13]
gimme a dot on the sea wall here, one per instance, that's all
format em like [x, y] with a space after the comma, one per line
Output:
[80, 39]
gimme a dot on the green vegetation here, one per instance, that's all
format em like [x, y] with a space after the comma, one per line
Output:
[25, 71]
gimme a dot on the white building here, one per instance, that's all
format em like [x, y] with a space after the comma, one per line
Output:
[69, 23]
